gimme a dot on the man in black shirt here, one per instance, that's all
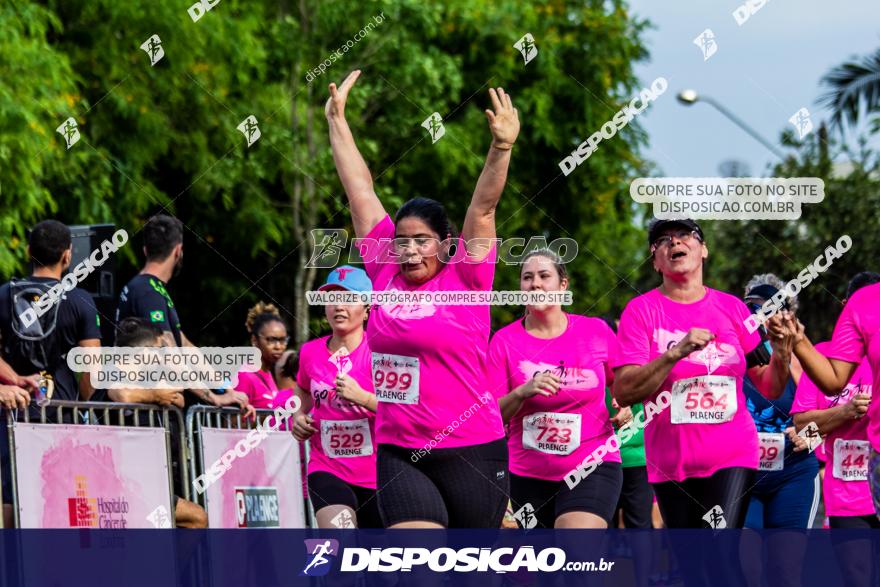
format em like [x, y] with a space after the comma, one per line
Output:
[76, 323]
[146, 296]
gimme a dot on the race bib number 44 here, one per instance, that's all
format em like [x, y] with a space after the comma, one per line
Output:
[703, 400]
[772, 447]
[396, 378]
[346, 438]
[851, 459]
[552, 433]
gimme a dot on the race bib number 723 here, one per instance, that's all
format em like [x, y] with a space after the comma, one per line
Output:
[552, 433]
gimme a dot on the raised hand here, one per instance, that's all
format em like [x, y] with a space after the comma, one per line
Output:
[335, 107]
[785, 324]
[783, 329]
[546, 384]
[695, 340]
[504, 121]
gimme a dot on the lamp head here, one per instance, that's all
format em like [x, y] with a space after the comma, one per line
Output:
[687, 97]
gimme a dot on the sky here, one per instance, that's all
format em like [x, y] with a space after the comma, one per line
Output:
[764, 71]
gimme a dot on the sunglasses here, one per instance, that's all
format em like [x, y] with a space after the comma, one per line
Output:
[684, 236]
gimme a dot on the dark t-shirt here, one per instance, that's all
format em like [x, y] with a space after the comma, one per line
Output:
[145, 297]
[77, 320]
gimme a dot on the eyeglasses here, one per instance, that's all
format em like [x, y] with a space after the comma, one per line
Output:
[684, 236]
[276, 339]
[423, 245]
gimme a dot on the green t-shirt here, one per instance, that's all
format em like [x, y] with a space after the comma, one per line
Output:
[632, 452]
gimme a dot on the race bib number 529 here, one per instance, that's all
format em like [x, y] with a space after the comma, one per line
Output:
[346, 438]
[704, 400]
[396, 378]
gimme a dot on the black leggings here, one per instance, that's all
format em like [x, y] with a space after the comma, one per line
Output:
[684, 503]
[636, 499]
[463, 487]
[856, 554]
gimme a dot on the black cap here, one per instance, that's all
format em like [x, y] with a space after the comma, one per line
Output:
[657, 226]
[764, 291]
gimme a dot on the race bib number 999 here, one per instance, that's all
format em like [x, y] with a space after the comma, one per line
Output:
[704, 400]
[396, 378]
[552, 433]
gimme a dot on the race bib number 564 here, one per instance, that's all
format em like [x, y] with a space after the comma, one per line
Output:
[703, 400]
[396, 378]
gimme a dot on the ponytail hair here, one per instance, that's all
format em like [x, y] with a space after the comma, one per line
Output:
[260, 315]
[558, 264]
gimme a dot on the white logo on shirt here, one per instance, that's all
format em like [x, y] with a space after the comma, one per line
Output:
[408, 311]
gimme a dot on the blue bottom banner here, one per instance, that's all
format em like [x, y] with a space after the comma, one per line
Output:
[427, 558]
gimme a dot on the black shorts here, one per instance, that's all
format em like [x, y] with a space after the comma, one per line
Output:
[869, 522]
[326, 489]
[597, 494]
[462, 487]
[684, 504]
[636, 499]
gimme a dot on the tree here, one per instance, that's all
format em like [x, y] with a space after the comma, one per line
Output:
[852, 84]
[164, 138]
[851, 207]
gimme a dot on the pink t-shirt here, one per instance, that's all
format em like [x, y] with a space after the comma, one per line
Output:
[345, 441]
[856, 337]
[842, 497]
[688, 447]
[429, 360]
[259, 386]
[550, 436]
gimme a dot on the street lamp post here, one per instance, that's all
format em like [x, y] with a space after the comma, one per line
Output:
[689, 97]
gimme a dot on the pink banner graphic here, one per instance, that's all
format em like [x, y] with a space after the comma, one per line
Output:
[260, 490]
[108, 477]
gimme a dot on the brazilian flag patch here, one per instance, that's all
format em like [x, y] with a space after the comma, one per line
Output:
[157, 316]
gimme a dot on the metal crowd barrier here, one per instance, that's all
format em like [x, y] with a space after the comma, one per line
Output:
[201, 416]
[102, 414]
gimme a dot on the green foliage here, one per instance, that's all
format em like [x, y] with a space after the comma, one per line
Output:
[164, 137]
[739, 250]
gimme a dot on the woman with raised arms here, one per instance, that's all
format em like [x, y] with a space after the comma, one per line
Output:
[442, 457]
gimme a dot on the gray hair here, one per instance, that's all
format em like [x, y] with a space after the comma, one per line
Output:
[773, 280]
